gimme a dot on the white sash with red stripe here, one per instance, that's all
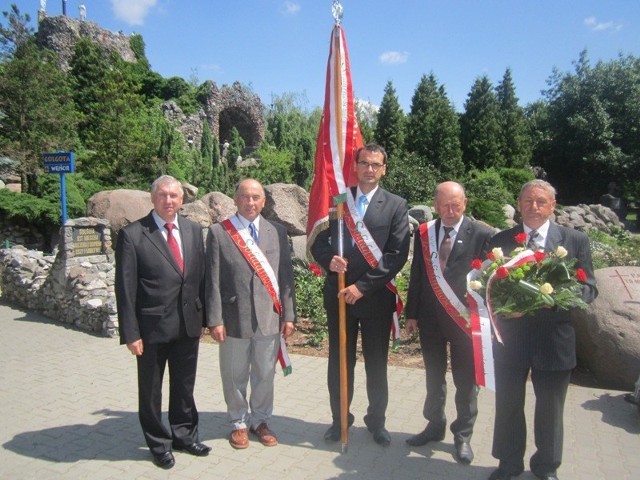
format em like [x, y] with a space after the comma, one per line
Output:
[483, 319]
[259, 263]
[441, 288]
[372, 254]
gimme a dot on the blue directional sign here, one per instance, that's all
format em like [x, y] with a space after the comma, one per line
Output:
[59, 162]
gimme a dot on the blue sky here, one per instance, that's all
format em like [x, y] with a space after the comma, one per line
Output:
[278, 46]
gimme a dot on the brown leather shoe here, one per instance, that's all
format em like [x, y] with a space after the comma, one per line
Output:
[266, 436]
[239, 439]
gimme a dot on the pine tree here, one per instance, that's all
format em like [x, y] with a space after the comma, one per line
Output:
[205, 173]
[390, 127]
[516, 143]
[480, 127]
[37, 110]
[236, 147]
[433, 132]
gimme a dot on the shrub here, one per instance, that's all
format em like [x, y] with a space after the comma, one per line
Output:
[487, 195]
[309, 282]
[514, 178]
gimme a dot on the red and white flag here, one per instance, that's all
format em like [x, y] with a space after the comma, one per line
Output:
[339, 139]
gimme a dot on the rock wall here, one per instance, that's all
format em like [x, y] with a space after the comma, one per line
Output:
[67, 287]
[60, 34]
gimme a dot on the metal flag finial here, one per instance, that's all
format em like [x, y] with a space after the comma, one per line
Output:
[336, 10]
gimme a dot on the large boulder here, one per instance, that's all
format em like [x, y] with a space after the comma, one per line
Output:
[198, 212]
[608, 333]
[287, 204]
[220, 206]
[119, 207]
[421, 213]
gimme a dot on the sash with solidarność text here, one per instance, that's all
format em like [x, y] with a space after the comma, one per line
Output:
[372, 254]
[259, 263]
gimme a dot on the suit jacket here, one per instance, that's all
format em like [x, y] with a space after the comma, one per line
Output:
[471, 242]
[387, 220]
[152, 295]
[545, 340]
[236, 297]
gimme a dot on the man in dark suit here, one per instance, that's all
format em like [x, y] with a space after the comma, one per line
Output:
[250, 303]
[439, 317]
[542, 345]
[159, 293]
[370, 303]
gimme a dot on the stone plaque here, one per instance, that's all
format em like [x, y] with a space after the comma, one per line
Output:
[87, 241]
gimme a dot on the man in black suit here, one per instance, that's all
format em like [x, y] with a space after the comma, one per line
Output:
[383, 226]
[435, 307]
[542, 345]
[159, 293]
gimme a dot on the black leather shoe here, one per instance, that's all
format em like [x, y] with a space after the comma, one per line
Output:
[501, 474]
[429, 434]
[464, 453]
[164, 460]
[381, 436]
[333, 434]
[198, 449]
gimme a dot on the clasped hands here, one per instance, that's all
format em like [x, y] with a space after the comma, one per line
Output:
[351, 293]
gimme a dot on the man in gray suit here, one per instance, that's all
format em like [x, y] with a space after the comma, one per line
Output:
[370, 303]
[250, 303]
[435, 306]
[159, 288]
[541, 345]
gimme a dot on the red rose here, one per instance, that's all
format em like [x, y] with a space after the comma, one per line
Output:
[476, 264]
[581, 275]
[491, 256]
[315, 269]
[521, 238]
[539, 256]
[502, 272]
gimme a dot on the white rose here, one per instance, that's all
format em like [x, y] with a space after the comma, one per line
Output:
[546, 288]
[561, 252]
[475, 285]
[518, 250]
[497, 253]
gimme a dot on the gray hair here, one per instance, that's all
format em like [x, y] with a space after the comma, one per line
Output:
[537, 183]
[163, 179]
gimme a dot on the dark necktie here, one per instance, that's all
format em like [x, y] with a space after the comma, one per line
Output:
[445, 248]
[532, 244]
[254, 232]
[173, 245]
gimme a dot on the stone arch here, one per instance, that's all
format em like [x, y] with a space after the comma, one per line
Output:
[235, 106]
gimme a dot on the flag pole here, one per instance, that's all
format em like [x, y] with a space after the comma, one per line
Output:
[339, 201]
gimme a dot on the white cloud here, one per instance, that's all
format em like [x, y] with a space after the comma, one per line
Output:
[290, 8]
[132, 11]
[391, 57]
[596, 26]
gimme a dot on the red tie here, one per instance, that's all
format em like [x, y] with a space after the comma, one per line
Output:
[173, 245]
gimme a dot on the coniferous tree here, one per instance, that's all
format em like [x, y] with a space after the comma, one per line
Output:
[516, 143]
[480, 129]
[433, 132]
[37, 110]
[15, 34]
[236, 147]
[89, 67]
[390, 126]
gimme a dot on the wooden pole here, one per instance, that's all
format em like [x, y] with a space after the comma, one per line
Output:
[342, 326]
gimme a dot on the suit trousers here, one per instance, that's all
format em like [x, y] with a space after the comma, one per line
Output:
[434, 354]
[249, 361]
[182, 357]
[510, 429]
[375, 333]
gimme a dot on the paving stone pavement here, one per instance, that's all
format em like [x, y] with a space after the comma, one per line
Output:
[68, 411]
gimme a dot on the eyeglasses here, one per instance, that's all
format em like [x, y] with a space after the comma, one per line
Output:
[374, 166]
